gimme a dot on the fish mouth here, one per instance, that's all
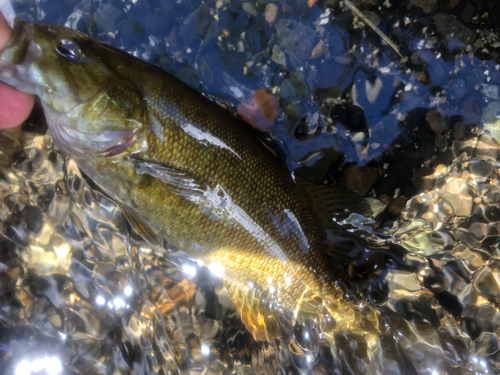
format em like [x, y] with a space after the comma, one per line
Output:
[74, 142]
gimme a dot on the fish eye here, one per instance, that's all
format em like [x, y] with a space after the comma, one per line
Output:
[69, 50]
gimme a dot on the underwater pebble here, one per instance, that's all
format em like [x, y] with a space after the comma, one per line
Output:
[278, 56]
[436, 121]
[487, 344]
[448, 26]
[359, 179]
[426, 5]
[481, 169]
[458, 130]
[296, 39]
[397, 205]
[458, 88]
[490, 91]
[271, 12]
[250, 9]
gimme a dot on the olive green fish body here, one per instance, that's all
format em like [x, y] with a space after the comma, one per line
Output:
[248, 214]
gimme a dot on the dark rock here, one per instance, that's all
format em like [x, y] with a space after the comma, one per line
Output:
[397, 205]
[426, 5]
[360, 179]
[352, 117]
[472, 111]
[437, 122]
[458, 130]
[468, 13]
[399, 173]
[366, 265]
[440, 142]
[451, 28]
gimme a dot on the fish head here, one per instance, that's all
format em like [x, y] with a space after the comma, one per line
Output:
[92, 108]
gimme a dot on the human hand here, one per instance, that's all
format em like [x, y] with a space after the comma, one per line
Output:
[15, 106]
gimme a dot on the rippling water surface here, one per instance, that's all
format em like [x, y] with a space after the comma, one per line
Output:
[413, 129]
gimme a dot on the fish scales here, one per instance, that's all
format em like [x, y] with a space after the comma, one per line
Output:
[252, 178]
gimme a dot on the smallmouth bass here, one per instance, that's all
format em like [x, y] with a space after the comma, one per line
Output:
[185, 170]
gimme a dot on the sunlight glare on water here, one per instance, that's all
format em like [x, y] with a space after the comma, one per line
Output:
[50, 365]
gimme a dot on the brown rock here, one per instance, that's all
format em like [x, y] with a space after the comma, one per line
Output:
[436, 121]
[397, 205]
[261, 110]
[360, 179]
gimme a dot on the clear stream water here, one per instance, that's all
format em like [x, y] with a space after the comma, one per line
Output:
[414, 130]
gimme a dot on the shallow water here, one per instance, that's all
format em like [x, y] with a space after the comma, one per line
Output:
[81, 291]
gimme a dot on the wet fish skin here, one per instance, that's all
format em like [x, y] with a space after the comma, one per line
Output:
[183, 165]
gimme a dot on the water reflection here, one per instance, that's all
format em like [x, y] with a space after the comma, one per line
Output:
[205, 350]
[190, 270]
[46, 365]
[100, 300]
[216, 268]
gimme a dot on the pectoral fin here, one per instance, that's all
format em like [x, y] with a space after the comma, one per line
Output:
[176, 180]
[142, 226]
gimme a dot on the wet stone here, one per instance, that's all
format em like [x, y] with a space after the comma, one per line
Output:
[17, 234]
[436, 121]
[250, 9]
[458, 88]
[296, 39]
[377, 290]
[21, 224]
[486, 344]
[487, 147]
[447, 25]
[278, 56]
[458, 130]
[271, 12]
[490, 91]
[481, 169]
[472, 111]
[359, 179]
[432, 280]
[426, 5]
[59, 208]
[441, 142]
[397, 205]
